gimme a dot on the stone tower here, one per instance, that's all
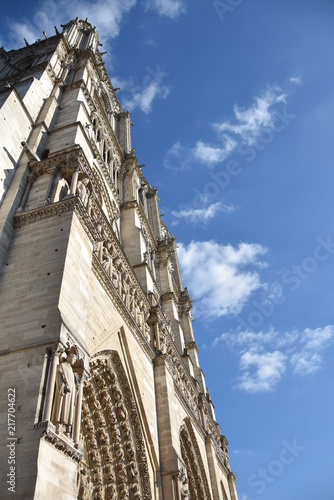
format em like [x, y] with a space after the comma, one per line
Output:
[102, 396]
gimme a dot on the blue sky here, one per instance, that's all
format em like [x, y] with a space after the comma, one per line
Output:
[233, 109]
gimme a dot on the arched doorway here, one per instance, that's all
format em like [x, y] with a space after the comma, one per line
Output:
[114, 464]
[198, 483]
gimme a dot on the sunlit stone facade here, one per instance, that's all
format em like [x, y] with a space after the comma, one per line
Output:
[102, 396]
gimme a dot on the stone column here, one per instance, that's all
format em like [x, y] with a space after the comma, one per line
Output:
[77, 420]
[48, 191]
[156, 336]
[30, 182]
[116, 179]
[176, 483]
[89, 204]
[100, 252]
[51, 385]
[231, 484]
[112, 169]
[74, 182]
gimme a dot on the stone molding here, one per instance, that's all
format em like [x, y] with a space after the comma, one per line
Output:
[61, 443]
[72, 204]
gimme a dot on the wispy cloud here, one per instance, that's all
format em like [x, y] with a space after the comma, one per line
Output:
[202, 214]
[297, 80]
[211, 155]
[250, 122]
[169, 8]
[221, 278]
[178, 157]
[142, 96]
[261, 371]
[244, 129]
[265, 356]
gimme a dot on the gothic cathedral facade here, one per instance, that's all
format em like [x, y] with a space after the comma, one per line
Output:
[102, 395]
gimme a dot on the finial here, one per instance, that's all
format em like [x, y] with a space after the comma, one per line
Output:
[56, 30]
[26, 42]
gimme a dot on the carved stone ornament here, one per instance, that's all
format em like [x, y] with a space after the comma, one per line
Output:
[115, 463]
[197, 480]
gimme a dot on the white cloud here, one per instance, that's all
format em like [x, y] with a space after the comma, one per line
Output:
[246, 128]
[220, 277]
[169, 8]
[107, 15]
[296, 80]
[244, 337]
[318, 338]
[211, 155]
[142, 96]
[305, 363]
[202, 214]
[265, 356]
[250, 122]
[307, 358]
[262, 371]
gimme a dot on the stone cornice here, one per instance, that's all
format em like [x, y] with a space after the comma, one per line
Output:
[72, 204]
[192, 344]
[170, 296]
[70, 158]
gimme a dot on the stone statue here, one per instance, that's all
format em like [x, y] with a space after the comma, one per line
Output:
[184, 490]
[83, 191]
[106, 256]
[85, 486]
[65, 393]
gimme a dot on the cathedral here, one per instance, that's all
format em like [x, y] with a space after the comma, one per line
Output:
[102, 395]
